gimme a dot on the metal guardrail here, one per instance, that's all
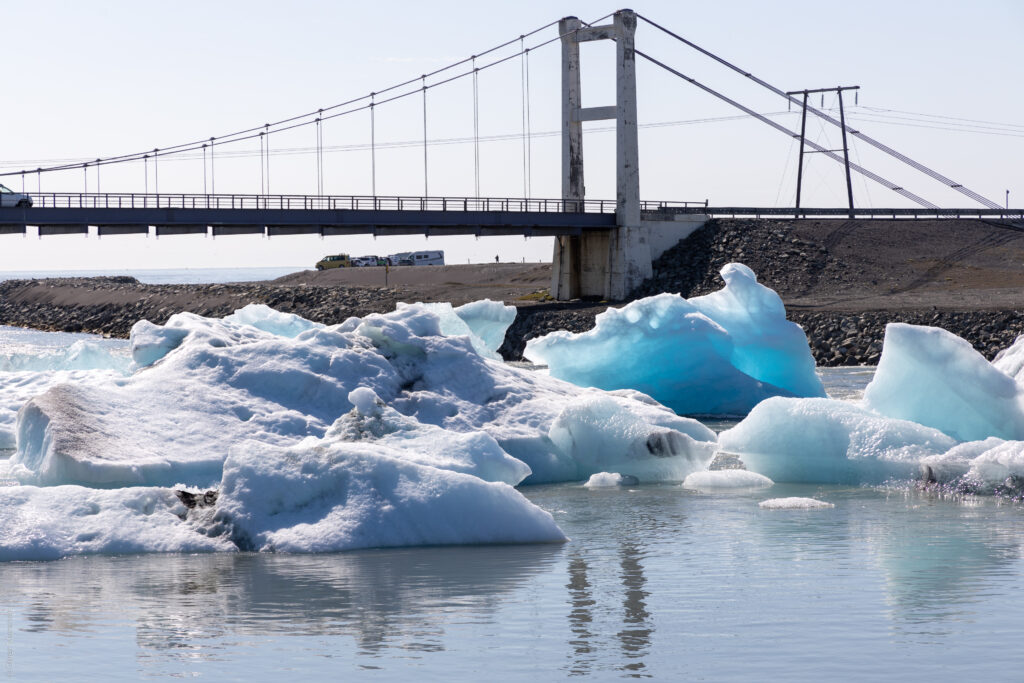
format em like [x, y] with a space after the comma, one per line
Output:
[783, 212]
[71, 200]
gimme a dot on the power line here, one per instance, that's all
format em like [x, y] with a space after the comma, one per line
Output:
[871, 141]
[832, 155]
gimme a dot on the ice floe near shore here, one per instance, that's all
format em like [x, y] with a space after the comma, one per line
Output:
[718, 354]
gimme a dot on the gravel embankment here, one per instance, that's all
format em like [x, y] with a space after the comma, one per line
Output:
[841, 280]
[111, 305]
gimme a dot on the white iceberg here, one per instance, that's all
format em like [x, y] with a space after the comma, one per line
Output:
[604, 480]
[1010, 361]
[371, 421]
[824, 441]
[380, 431]
[932, 377]
[717, 480]
[935, 410]
[604, 433]
[484, 322]
[276, 322]
[329, 495]
[716, 354]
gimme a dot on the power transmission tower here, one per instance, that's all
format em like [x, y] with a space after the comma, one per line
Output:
[803, 129]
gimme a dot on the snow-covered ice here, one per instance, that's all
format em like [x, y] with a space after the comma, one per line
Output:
[717, 480]
[46, 523]
[604, 480]
[721, 353]
[328, 495]
[794, 504]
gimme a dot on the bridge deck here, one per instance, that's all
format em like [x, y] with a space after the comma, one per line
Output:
[120, 214]
[177, 214]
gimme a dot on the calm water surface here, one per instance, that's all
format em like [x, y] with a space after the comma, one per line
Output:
[656, 582]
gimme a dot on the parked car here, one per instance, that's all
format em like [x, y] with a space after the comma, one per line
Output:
[334, 261]
[364, 261]
[9, 197]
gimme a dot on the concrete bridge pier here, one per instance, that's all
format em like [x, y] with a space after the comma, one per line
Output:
[606, 265]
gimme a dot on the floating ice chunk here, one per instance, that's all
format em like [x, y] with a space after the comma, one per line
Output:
[265, 318]
[489, 320]
[946, 467]
[610, 480]
[794, 504]
[934, 378]
[830, 442]
[715, 480]
[331, 496]
[484, 322]
[1010, 361]
[150, 343]
[603, 433]
[476, 453]
[174, 421]
[717, 354]
[998, 464]
[205, 384]
[50, 523]
[766, 346]
[81, 355]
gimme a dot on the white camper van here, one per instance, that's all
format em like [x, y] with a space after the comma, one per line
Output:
[427, 258]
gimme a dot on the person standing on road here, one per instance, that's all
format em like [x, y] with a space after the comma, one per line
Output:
[495, 258]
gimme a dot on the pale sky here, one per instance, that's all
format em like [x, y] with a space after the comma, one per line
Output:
[939, 82]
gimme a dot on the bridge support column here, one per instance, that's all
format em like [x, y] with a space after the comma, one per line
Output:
[606, 265]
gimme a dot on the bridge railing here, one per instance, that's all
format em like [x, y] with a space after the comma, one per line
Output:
[117, 200]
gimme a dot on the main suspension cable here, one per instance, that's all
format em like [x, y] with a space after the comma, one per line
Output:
[282, 124]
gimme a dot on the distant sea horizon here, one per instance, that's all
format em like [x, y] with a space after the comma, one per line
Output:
[164, 276]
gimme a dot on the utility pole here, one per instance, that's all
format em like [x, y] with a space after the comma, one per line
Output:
[803, 130]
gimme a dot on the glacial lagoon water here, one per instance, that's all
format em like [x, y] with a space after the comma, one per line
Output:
[656, 582]
[166, 276]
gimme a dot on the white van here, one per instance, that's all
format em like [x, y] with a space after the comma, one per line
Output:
[427, 258]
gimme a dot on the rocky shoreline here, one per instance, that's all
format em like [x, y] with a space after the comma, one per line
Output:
[821, 272]
[836, 338]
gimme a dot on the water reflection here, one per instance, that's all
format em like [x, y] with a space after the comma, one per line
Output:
[581, 616]
[190, 607]
[932, 553]
[936, 554]
[636, 636]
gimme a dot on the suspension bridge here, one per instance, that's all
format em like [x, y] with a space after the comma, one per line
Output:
[603, 248]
